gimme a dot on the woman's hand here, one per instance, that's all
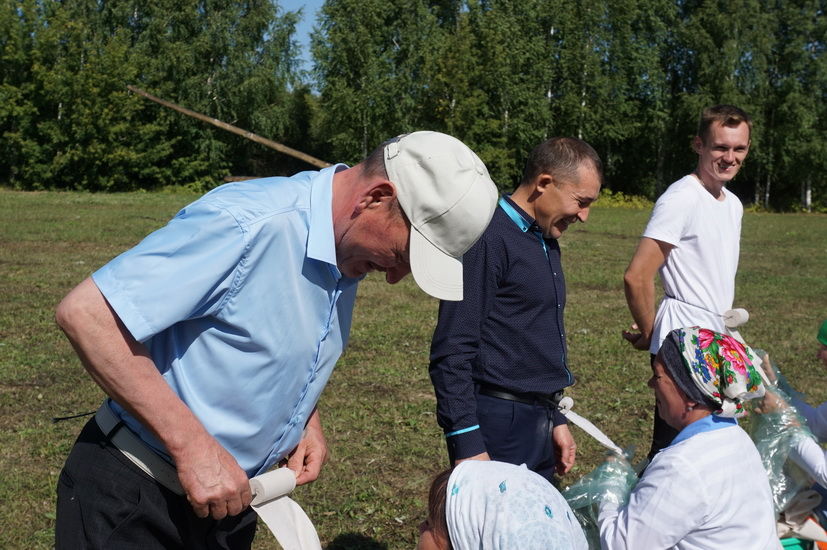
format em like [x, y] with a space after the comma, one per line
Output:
[772, 403]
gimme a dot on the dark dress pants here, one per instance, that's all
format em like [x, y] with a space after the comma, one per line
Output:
[517, 433]
[106, 502]
[662, 435]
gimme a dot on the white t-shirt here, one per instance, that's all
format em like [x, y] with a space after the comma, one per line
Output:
[706, 492]
[698, 276]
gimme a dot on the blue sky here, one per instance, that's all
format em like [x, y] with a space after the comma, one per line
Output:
[305, 26]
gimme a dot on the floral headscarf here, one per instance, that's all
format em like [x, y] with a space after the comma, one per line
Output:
[726, 371]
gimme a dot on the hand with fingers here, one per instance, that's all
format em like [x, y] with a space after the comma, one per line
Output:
[214, 483]
[564, 448]
[636, 337]
[772, 402]
[310, 454]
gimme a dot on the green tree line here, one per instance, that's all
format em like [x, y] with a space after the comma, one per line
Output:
[628, 76]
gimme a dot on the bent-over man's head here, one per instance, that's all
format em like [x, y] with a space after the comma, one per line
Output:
[416, 203]
[561, 179]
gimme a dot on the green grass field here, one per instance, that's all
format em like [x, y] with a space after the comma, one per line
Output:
[378, 410]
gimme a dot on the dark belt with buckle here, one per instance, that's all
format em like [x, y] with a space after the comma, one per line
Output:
[545, 400]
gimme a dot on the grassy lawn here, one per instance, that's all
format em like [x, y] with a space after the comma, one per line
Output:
[378, 410]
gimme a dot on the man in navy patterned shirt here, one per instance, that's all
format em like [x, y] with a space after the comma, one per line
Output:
[498, 358]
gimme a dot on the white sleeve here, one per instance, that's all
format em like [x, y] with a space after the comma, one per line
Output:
[812, 458]
[666, 504]
[816, 417]
[670, 217]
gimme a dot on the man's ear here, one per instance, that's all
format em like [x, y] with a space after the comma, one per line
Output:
[543, 182]
[377, 194]
[697, 144]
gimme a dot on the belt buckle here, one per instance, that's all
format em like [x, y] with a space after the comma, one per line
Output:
[553, 400]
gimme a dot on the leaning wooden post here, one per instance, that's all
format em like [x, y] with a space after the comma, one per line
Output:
[235, 129]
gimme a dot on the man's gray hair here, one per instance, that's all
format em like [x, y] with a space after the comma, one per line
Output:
[561, 157]
[374, 166]
[374, 163]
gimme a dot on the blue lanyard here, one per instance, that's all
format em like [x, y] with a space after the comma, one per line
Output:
[521, 222]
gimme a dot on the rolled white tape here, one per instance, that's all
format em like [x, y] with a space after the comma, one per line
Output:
[282, 515]
[735, 317]
[272, 485]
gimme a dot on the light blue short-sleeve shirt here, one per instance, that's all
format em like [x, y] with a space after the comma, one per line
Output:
[242, 308]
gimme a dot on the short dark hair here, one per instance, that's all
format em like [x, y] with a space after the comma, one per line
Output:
[374, 163]
[561, 157]
[437, 496]
[726, 115]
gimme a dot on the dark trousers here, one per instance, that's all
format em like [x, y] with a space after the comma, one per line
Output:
[517, 433]
[662, 433]
[104, 501]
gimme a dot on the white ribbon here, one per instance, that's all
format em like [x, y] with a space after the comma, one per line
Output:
[283, 516]
[565, 406]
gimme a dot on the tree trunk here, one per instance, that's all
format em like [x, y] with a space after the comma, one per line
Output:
[807, 194]
[234, 129]
[756, 190]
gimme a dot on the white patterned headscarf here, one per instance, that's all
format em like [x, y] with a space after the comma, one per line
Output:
[497, 506]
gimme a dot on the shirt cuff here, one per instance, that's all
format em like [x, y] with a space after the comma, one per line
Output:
[558, 418]
[465, 444]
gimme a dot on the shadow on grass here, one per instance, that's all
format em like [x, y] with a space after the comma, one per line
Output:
[355, 541]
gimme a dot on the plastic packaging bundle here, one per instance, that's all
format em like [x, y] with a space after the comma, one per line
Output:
[611, 481]
[775, 432]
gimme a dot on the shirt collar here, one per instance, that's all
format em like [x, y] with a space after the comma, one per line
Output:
[321, 241]
[705, 424]
[518, 215]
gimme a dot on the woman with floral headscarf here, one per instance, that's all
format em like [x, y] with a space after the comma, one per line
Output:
[708, 488]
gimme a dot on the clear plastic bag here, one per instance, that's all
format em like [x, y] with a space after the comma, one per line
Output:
[774, 434]
[611, 481]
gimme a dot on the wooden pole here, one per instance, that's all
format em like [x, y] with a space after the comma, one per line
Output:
[234, 129]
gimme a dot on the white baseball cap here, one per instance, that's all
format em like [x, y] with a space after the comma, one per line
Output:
[446, 193]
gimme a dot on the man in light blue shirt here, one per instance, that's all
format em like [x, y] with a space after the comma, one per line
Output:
[215, 336]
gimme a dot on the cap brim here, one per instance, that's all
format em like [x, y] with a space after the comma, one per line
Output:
[436, 272]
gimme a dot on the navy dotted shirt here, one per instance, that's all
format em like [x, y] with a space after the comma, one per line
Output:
[506, 332]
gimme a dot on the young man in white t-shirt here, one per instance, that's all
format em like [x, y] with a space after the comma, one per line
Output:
[692, 239]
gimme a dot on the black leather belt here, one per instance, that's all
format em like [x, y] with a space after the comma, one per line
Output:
[136, 450]
[545, 400]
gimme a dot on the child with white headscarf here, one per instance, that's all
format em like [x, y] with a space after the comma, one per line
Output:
[708, 488]
[490, 505]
